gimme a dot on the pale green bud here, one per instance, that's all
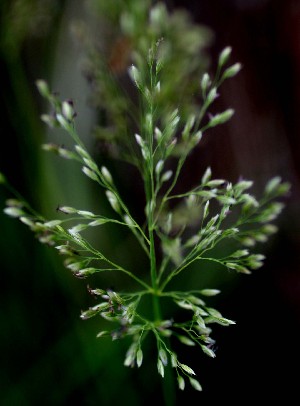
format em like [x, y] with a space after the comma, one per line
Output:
[142, 144]
[200, 321]
[174, 361]
[157, 87]
[158, 15]
[101, 334]
[210, 292]
[159, 166]
[205, 82]
[214, 312]
[157, 133]
[166, 176]
[248, 241]
[27, 221]
[206, 210]
[212, 95]
[82, 152]
[192, 241]
[91, 174]
[76, 229]
[67, 209]
[208, 351]
[232, 71]
[130, 356]
[127, 23]
[206, 177]
[242, 185]
[135, 76]
[283, 189]
[50, 147]
[13, 212]
[181, 382]
[221, 118]
[68, 110]
[63, 121]
[272, 185]
[172, 248]
[128, 220]
[91, 164]
[168, 224]
[196, 138]
[249, 201]
[240, 253]
[224, 56]
[43, 88]
[191, 201]
[85, 213]
[113, 200]
[215, 182]
[269, 229]
[160, 368]
[185, 340]
[170, 147]
[83, 273]
[226, 200]
[106, 175]
[98, 222]
[139, 357]
[149, 122]
[52, 223]
[163, 356]
[208, 194]
[186, 368]
[49, 120]
[65, 153]
[195, 384]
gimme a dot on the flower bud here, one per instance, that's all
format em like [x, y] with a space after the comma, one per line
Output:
[224, 56]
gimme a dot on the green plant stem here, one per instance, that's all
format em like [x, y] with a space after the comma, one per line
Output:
[156, 305]
[150, 195]
[153, 270]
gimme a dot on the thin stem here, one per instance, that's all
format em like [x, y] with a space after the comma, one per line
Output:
[180, 269]
[87, 246]
[150, 195]
[72, 131]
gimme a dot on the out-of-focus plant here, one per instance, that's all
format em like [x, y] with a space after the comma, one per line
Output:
[129, 32]
[160, 123]
[21, 19]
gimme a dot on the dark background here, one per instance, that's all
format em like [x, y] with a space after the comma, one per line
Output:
[50, 356]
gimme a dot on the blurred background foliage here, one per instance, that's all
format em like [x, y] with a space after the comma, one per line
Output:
[48, 354]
